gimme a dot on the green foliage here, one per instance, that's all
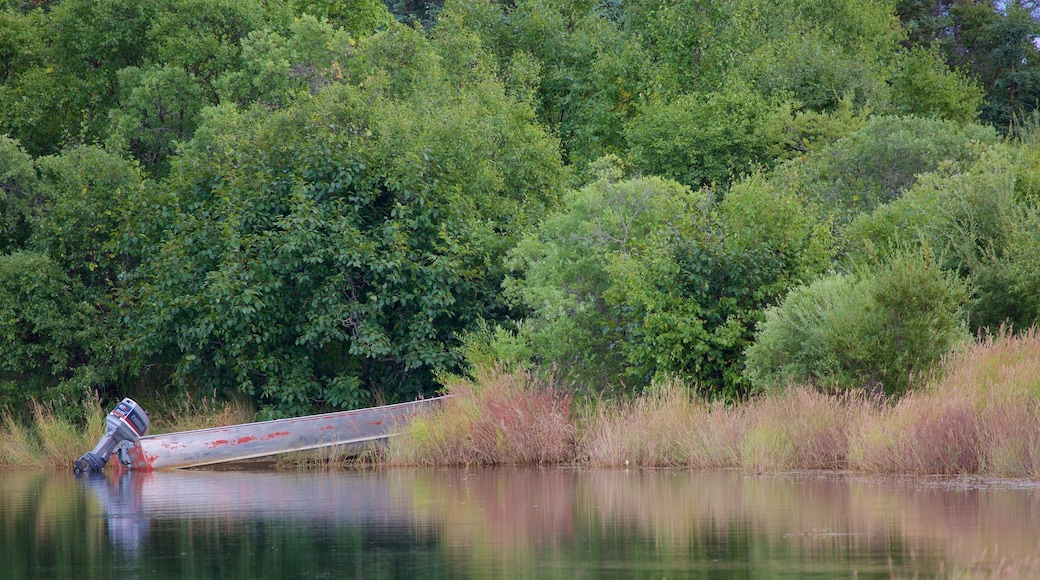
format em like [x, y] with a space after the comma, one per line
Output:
[358, 18]
[18, 183]
[982, 229]
[997, 47]
[275, 67]
[330, 252]
[925, 86]
[876, 330]
[159, 107]
[71, 83]
[817, 51]
[57, 344]
[584, 72]
[309, 202]
[636, 279]
[80, 213]
[567, 271]
[877, 163]
[694, 309]
[816, 72]
[993, 42]
[60, 269]
[702, 139]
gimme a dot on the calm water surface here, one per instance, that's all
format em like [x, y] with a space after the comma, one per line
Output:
[553, 523]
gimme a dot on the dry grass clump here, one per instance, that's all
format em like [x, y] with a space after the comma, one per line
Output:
[981, 416]
[497, 417]
[922, 433]
[800, 428]
[666, 426]
[191, 414]
[51, 440]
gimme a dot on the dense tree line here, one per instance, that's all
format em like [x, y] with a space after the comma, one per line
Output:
[325, 204]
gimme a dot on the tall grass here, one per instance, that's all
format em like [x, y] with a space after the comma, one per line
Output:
[800, 428]
[51, 439]
[497, 417]
[190, 414]
[979, 415]
[923, 433]
[667, 426]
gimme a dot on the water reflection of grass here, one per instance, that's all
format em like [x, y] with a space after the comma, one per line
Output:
[506, 519]
[36, 509]
[510, 522]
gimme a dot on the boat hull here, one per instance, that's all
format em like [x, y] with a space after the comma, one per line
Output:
[267, 438]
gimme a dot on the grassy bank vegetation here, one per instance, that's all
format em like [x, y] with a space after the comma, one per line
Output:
[978, 414]
[51, 437]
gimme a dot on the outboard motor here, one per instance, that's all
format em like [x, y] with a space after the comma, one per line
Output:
[127, 422]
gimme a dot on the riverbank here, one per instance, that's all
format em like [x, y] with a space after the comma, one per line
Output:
[980, 415]
[52, 440]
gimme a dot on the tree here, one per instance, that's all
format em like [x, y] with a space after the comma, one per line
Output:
[641, 278]
[705, 138]
[992, 41]
[60, 272]
[566, 270]
[981, 230]
[877, 163]
[326, 255]
[18, 186]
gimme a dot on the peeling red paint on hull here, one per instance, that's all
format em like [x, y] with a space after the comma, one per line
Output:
[268, 438]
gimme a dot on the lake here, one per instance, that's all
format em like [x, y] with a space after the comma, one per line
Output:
[515, 523]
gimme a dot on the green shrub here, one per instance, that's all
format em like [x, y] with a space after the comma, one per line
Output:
[879, 162]
[875, 330]
[56, 343]
[975, 218]
[641, 279]
[701, 139]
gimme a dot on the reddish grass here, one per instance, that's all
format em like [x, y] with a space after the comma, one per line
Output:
[981, 415]
[498, 417]
[664, 427]
[921, 434]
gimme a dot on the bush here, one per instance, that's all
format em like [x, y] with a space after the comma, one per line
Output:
[56, 341]
[879, 162]
[640, 279]
[701, 139]
[665, 426]
[985, 232]
[327, 255]
[874, 330]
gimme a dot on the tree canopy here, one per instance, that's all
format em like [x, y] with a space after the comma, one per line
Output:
[322, 205]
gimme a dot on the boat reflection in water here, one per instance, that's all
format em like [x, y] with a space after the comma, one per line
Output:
[547, 523]
[131, 499]
[120, 498]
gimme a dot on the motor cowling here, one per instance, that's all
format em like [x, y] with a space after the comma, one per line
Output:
[127, 422]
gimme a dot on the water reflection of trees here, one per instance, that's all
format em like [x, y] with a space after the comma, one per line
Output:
[553, 522]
